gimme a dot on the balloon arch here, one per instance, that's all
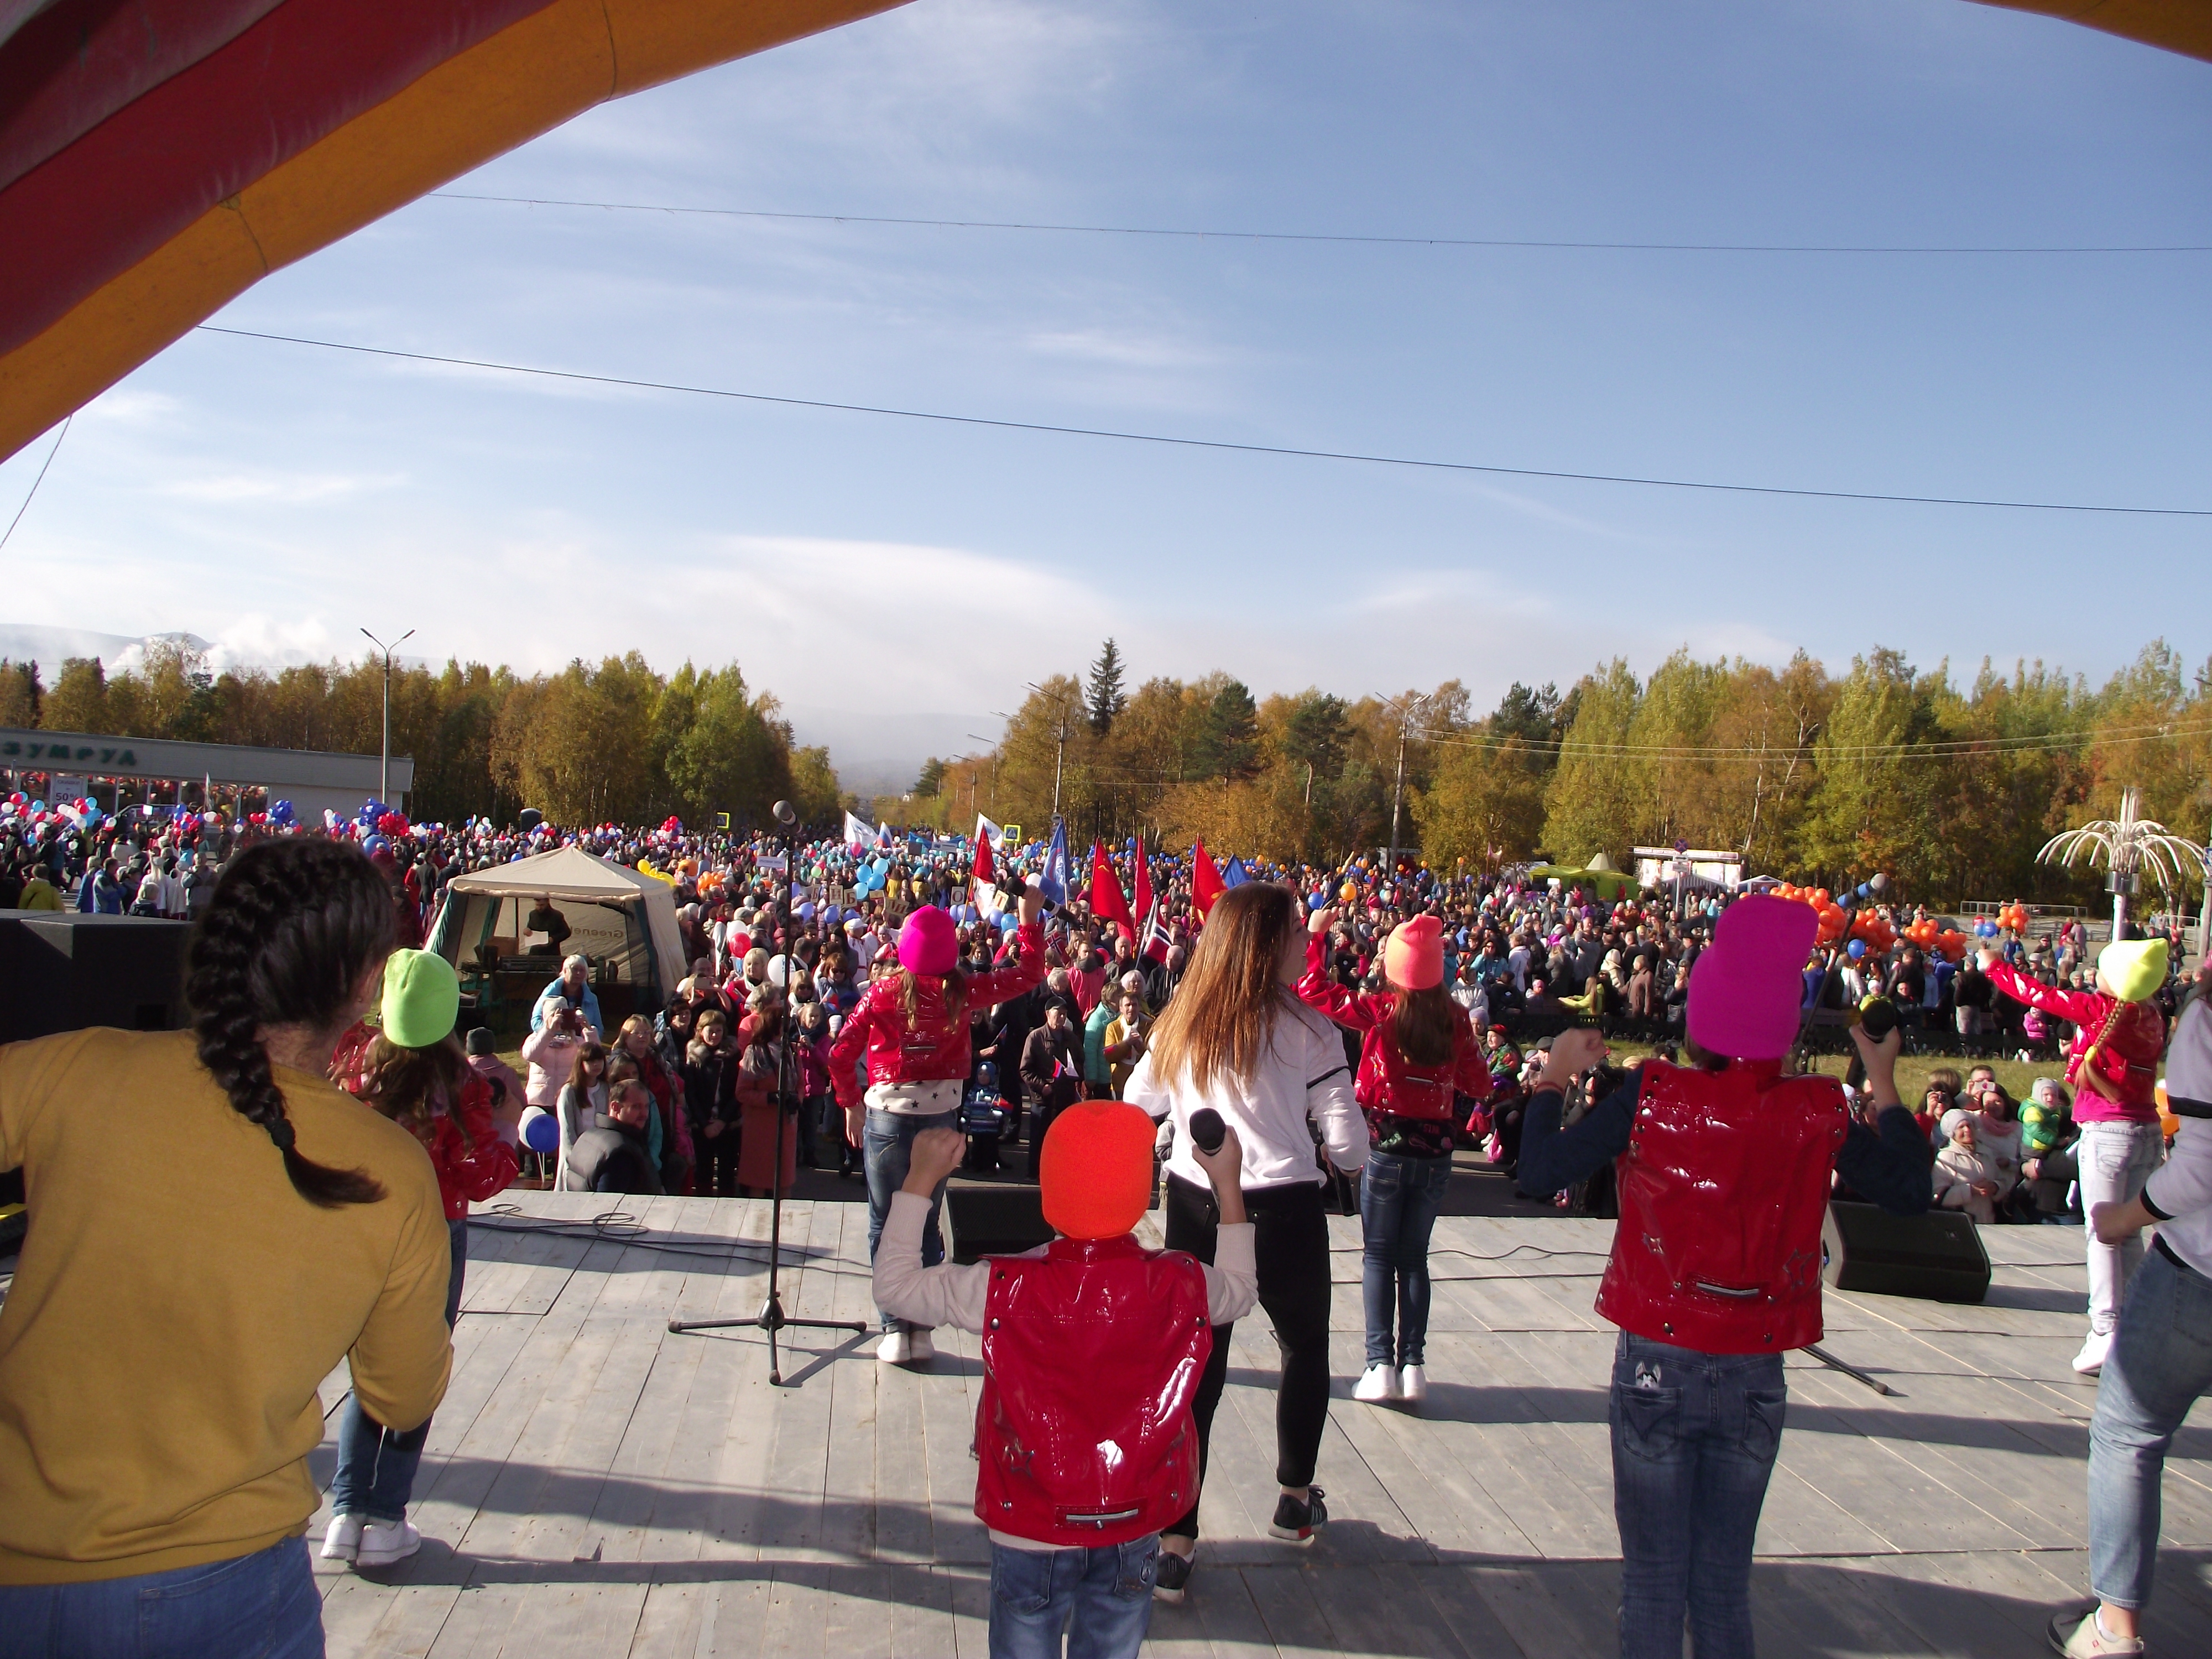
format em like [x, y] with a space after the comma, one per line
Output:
[159, 157]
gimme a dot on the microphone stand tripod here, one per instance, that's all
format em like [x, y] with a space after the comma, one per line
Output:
[772, 1318]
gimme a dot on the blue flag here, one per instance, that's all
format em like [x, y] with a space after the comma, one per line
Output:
[1052, 879]
[1234, 874]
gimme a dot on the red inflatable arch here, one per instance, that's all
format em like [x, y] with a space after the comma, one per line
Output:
[158, 157]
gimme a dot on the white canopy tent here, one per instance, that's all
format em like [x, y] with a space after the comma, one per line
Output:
[615, 914]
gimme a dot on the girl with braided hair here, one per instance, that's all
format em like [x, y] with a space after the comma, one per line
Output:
[213, 1227]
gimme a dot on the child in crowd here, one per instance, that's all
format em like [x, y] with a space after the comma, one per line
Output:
[1092, 1349]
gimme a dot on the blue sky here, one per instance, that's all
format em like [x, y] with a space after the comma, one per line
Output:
[894, 583]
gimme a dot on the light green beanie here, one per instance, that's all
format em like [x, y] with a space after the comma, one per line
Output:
[422, 998]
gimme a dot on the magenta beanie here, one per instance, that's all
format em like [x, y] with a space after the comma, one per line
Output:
[930, 943]
[1746, 989]
[1414, 956]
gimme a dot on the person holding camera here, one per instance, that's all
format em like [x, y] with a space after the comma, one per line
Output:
[1723, 1169]
[1418, 1054]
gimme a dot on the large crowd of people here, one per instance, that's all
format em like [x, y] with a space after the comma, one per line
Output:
[847, 1004]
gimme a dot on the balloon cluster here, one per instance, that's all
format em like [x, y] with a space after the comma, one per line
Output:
[2014, 916]
[281, 815]
[1929, 937]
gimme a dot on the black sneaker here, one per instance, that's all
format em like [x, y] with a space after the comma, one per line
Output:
[1297, 1521]
[1172, 1579]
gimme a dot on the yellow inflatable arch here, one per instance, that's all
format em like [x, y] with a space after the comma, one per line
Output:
[159, 157]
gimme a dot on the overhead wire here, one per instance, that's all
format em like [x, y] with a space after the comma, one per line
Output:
[1222, 445]
[40, 479]
[1294, 236]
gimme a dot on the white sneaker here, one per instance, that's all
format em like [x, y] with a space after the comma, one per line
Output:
[1414, 1384]
[342, 1542]
[920, 1350]
[2091, 1359]
[893, 1349]
[1378, 1386]
[382, 1544]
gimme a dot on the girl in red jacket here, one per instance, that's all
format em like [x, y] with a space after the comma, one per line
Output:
[912, 1026]
[412, 1069]
[1416, 1052]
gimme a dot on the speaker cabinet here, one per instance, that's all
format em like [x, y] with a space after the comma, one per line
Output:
[994, 1220]
[64, 971]
[1937, 1257]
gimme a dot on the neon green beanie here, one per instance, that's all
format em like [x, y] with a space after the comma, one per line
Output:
[2132, 971]
[422, 998]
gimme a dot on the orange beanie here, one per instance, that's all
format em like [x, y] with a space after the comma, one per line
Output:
[1097, 1169]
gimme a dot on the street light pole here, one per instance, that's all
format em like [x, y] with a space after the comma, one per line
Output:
[384, 761]
[1398, 789]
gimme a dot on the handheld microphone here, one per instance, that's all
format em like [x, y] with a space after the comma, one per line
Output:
[1208, 1131]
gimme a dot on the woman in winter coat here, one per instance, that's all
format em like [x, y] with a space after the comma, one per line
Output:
[1418, 1053]
[582, 1099]
[668, 1141]
[1966, 1176]
[413, 1071]
[710, 1099]
[912, 1026]
[762, 1101]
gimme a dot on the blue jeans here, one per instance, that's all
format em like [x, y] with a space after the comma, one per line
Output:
[262, 1606]
[375, 1476]
[2160, 1363]
[1103, 1598]
[887, 1145]
[1399, 1198]
[1694, 1436]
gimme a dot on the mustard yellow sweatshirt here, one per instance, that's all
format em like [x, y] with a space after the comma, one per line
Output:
[177, 1305]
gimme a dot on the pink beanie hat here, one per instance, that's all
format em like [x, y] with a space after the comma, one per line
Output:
[1414, 956]
[1749, 986]
[928, 942]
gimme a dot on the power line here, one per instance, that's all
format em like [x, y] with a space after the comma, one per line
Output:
[1219, 444]
[1324, 236]
[40, 479]
[1935, 748]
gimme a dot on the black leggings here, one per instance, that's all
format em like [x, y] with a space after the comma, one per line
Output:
[1290, 1242]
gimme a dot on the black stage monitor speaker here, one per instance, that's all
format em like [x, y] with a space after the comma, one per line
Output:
[64, 971]
[1937, 1256]
[994, 1220]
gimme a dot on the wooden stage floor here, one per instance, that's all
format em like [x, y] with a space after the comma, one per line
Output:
[597, 1486]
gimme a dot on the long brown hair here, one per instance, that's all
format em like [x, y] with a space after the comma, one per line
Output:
[956, 995]
[1223, 1012]
[415, 1087]
[1426, 1024]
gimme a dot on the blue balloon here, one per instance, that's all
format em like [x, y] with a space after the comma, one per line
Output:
[541, 1133]
[1985, 928]
[375, 844]
[1855, 949]
[1318, 901]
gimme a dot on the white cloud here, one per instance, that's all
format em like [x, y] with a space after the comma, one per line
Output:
[288, 489]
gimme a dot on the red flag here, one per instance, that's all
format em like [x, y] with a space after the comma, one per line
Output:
[986, 872]
[1141, 903]
[1107, 900]
[1206, 882]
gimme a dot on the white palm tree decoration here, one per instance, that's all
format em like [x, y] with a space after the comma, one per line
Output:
[2126, 847]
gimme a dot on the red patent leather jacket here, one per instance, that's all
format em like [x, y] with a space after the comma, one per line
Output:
[936, 1050]
[2128, 1062]
[1723, 1190]
[1091, 1356]
[1389, 1084]
[471, 1167]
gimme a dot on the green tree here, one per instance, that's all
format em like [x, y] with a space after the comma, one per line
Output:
[1484, 805]
[1591, 802]
[20, 694]
[1103, 697]
[78, 702]
[1870, 810]
[1229, 740]
[931, 779]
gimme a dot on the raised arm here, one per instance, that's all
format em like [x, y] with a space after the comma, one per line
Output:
[1028, 968]
[1325, 996]
[2076, 1006]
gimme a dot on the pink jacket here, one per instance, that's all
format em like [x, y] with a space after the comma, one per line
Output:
[935, 1048]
